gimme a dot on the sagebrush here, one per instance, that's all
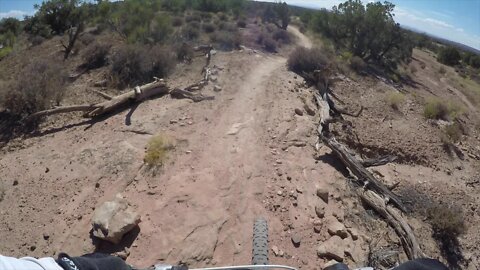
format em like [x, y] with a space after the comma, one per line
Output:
[157, 150]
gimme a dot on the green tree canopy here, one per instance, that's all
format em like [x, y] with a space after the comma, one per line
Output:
[449, 56]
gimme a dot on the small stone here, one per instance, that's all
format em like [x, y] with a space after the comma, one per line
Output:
[296, 239]
[15, 182]
[47, 170]
[299, 111]
[279, 193]
[275, 250]
[46, 236]
[217, 88]
[173, 121]
[317, 229]
[299, 189]
[213, 78]
[322, 192]
[97, 185]
[320, 210]
[32, 248]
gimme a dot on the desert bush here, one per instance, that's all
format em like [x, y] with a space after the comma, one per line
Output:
[446, 220]
[395, 99]
[184, 52]
[449, 56]
[227, 40]
[241, 24]
[95, 55]
[206, 15]
[87, 38]
[177, 21]
[133, 65]
[5, 51]
[357, 64]
[442, 70]
[270, 44]
[439, 109]
[222, 16]
[44, 88]
[193, 18]
[208, 27]
[270, 28]
[453, 132]
[303, 60]
[157, 150]
[36, 40]
[190, 32]
[230, 27]
[283, 36]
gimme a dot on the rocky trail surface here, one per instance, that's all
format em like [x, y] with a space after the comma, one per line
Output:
[249, 153]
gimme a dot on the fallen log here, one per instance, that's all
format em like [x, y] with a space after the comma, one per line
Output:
[374, 193]
[179, 93]
[92, 110]
[398, 223]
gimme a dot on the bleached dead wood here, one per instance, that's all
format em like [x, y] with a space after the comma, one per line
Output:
[179, 93]
[102, 94]
[374, 193]
[92, 110]
[396, 220]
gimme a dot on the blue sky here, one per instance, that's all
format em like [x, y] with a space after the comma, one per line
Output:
[457, 20]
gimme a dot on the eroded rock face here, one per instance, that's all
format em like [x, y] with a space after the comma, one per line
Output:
[113, 219]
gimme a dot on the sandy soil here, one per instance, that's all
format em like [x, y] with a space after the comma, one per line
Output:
[243, 155]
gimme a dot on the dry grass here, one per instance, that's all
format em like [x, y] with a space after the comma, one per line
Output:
[158, 148]
[43, 89]
[453, 133]
[440, 109]
[446, 220]
[395, 99]
[95, 55]
[303, 60]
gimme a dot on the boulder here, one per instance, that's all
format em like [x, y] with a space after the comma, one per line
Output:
[332, 249]
[217, 88]
[113, 219]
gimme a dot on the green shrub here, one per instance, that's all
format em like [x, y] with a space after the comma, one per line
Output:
[357, 64]
[438, 109]
[157, 150]
[208, 27]
[446, 220]
[44, 88]
[5, 51]
[161, 28]
[193, 18]
[270, 44]
[282, 36]
[449, 56]
[190, 32]
[135, 65]
[177, 21]
[303, 60]
[185, 52]
[95, 55]
[241, 24]
[227, 40]
[453, 132]
[87, 38]
[395, 99]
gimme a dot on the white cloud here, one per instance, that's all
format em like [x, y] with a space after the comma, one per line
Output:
[438, 23]
[19, 14]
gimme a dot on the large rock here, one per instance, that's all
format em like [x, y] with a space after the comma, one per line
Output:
[323, 193]
[332, 249]
[113, 219]
[334, 227]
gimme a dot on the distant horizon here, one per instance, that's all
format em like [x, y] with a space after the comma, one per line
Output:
[437, 18]
[457, 21]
